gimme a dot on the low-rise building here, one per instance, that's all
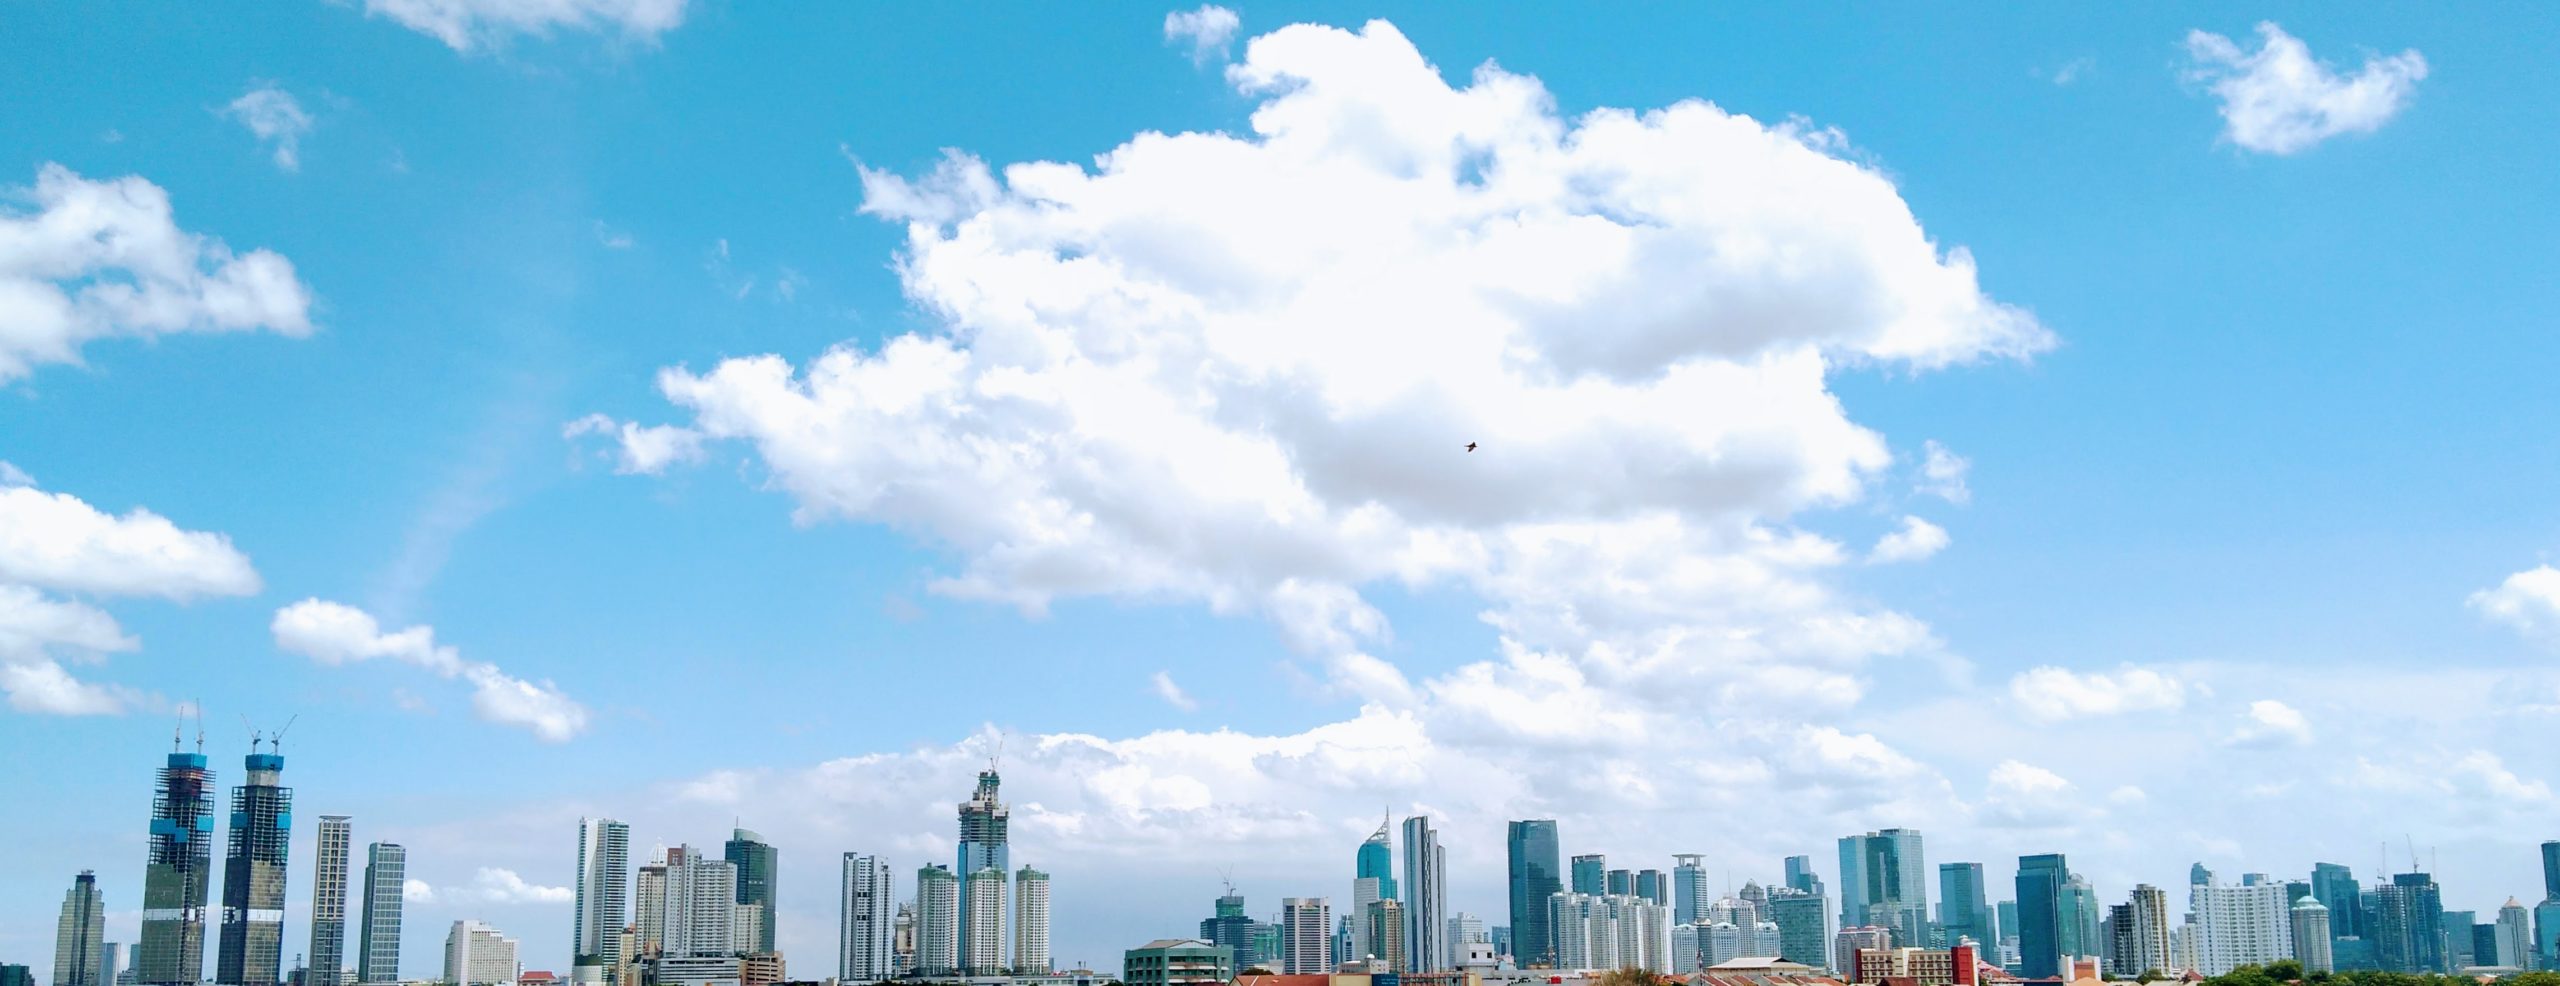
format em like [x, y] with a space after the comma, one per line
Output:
[1180, 962]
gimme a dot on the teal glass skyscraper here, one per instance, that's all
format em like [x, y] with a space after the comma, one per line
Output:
[1377, 858]
[1533, 875]
[2040, 914]
[1963, 907]
[754, 859]
[1590, 874]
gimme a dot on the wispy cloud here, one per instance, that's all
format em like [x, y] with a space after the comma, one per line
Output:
[2280, 100]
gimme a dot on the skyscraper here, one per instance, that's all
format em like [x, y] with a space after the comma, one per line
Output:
[253, 875]
[1800, 875]
[1689, 891]
[1386, 921]
[386, 871]
[174, 883]
[80, 935]
[754, 859]
[328, 956]
[2546, 915]
[2335, 886]
[1532, 853]
[604, 867]
[1884, 881]
[1650, 885]
[1963, 906]
[1230, 927]
[701, 909]
[2311, 941]
[1306, 943]
[2515, 943]
[1591, 874]
[649, 909]
[865, 952]
[1372, 880]
[982, 922]
[937, 922]
[478, 955]
[1030, 922]
[2040, 886]
[982, 839]
[2408, 929]
[1804, 926]
[1426, 883]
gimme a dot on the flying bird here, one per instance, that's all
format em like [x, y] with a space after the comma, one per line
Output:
[1471, 446]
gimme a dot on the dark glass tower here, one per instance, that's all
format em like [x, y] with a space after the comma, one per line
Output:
[1535, 873]
[982, 838]
[1590, 875]
[1963, 907]
[174, 882]
[754, 858]
[2408, 925]
[2334, 886]
[2040, 880]
[253, 876]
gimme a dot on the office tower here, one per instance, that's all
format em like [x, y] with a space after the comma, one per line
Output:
[1306, 945]
[111, 963]
[2514, 943]
[80, 935]
[1030, 922]
[982, 922]
[1464, 930]
[2198, 876]
[2138, 933]
[2335, 887]
[1800, 875]
[2408, 924]
[2040, 886]
[1426, 888]
[754, 859]
[174, 883]
[1651, 886]
[649, 910]
[1884, 881]
[2458, 939]
[1229, 927]
[477, 955]
[701, 909]
[1531, 849]
[2311, 942]
[1804, 926]
[2078, 930]
[328, 955]
[1591, 875]
[982, 839]
[937, 922]
[1689, 891]
[386, 869]
[865, 952]
[1963, 907]
[252, 951]
[1385, 934]
[16, 975]
[1622, 883]
[1341, 942]
[604, 867]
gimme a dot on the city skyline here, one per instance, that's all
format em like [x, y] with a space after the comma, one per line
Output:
[1719, 431]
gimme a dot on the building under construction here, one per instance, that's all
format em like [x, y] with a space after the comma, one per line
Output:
[173, 885]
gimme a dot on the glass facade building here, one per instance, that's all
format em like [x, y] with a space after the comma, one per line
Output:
[1533, 875]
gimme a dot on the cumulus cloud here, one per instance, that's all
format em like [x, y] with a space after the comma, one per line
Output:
[2270, 723]
[1916, 539]
[1207, 30]
[2528, 601]
[502, 886]
[2023, 795]
[2280, 100]
[1942, 474]
[83, 260]
[335, 633]
[2052, 694]
[417, 891]
[639, 450]
[470, 25]
[277, 119]
[1172, 693]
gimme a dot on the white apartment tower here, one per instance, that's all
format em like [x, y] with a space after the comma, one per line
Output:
[1426, 889]
[701, 907]
[1030, 922]
[604, 868]
[477, 955]
[937, 922]
[982, 926]
[1306, 936]
[2248, 924]
[866, 950]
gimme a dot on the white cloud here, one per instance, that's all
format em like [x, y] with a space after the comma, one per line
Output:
[467, 25]
[1942, 474]
[1207, 30]
[417, 891]
[2052, 694]
[277, 119]
[611, 238]
[11, 475]
[639, 450]
[56, 541]
[502, 886]
[103, 258]
[33, 626]
[2023, 795]
[2279, 100]
[1915, 540]
[44, 687]
[1172, 694]
[335, 633]
[2528, 601]
[2072, 71]
[2271, 723]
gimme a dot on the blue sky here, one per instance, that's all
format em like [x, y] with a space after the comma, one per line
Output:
[2253, 416]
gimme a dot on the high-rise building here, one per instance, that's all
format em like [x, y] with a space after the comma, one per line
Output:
[604, 867]
[2460, 939]
[1800, 875]
[111, 965]
[1653, 886]
[937, 922]
[1963, 906]
[865, 951]
[2040, 887]
[80, 935]
[1230, 928]
[1385, 934]
[477, 955]
[649, 910]
[2408, 924]
[1884, 881]
[2138, 933]
[1030, 922]
[701, 909]
[1804, 926]
[1689, 890]
[2546, 915]
[1622, 883]
[754, 859]
[1306, 942]
[982, 840]
[982, 898]
[1591, 874]
[174, 883]
[2335, 887]
[253, 875]
[328, 955]
[2514, 942]
[386, 872]
[1846, 945]
[1426, 885]
[2080, 930]
[1533, 875]
[2311, 941]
